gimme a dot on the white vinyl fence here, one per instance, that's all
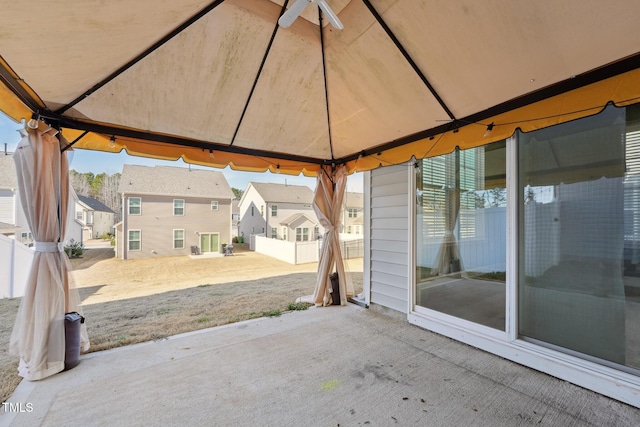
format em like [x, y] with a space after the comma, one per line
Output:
[302, 252]
[15, 262]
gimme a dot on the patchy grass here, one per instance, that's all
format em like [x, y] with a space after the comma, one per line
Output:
[297, 306]
[9, 378]
[149, 300]
[273, 313]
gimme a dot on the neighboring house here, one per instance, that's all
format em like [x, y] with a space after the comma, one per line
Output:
[235, 217]
[11, 214]
[353, 207]
[96, 218]
[527, 248]
[278, 211]
[14, 223]
[169, 211]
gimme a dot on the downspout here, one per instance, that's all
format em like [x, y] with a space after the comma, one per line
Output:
[124, 226]
[267, 232]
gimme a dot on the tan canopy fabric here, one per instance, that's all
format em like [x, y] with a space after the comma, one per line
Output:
[327, 203]
[221, 83]
[38, 336]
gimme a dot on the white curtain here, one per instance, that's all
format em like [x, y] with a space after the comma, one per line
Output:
[327, 203]
[44, 188]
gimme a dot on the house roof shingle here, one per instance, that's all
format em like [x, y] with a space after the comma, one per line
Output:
[8, 228]
[353, 200]
[173, 181]
[94, 204]
[283, 193]
[291, 219]
[8, 178]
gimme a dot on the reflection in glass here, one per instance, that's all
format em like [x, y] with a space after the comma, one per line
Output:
[579, 233]
[461, 234]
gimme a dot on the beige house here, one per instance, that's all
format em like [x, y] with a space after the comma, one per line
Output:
[353, 208]
[169, 211]
[279, 211]
[97, 219]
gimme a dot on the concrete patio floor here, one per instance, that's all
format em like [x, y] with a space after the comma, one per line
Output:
[334, 366]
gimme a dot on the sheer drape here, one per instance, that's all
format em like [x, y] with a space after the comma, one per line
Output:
[43, 184]
[327, 203]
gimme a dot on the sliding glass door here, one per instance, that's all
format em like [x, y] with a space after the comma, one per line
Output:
[579, 237]
[460, 237]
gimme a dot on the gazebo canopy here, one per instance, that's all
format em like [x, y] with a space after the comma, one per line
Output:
[221, 83]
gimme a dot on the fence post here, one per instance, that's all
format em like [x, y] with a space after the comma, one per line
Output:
[12, 269]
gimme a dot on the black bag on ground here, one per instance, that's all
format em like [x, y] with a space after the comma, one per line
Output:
[335, 289]
[72, 322]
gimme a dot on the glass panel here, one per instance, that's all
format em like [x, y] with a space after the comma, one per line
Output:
[178, 207]
[178, 239]
[205, 243]
[134, 205]
[134, 240]
[461, 234]
[579, 284]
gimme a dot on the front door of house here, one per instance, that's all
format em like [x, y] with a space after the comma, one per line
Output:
[209, 242]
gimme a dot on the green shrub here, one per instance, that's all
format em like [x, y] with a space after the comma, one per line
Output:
[74, 249]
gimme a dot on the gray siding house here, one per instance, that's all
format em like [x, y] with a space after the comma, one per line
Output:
[353, 213]
[169, 211]
[279, 211]
[97, 218]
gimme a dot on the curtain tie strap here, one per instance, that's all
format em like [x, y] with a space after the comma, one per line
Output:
[49, 247]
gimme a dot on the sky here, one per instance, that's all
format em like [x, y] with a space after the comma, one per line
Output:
[98, 162]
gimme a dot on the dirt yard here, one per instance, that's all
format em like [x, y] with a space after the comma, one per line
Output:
[133, 301]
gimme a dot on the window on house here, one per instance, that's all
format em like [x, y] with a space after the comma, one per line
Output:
[262, 210]
[348, 229]
[178, 207]
[353, 213]
[79, 215]
[274, 210]
[235, 217]
[357, 229]
[274, 233]
[135, 206]
[214, 205]
[316, 232]
[26, 239]
[284, 233]
[302, 234]
[178, 239]
[135, 240]
[251, 210]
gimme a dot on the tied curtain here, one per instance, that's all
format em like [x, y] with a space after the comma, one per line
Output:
[38, 335]
[327, 203]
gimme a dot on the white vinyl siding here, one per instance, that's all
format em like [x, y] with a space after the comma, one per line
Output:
[7, 207]
[389, 231]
